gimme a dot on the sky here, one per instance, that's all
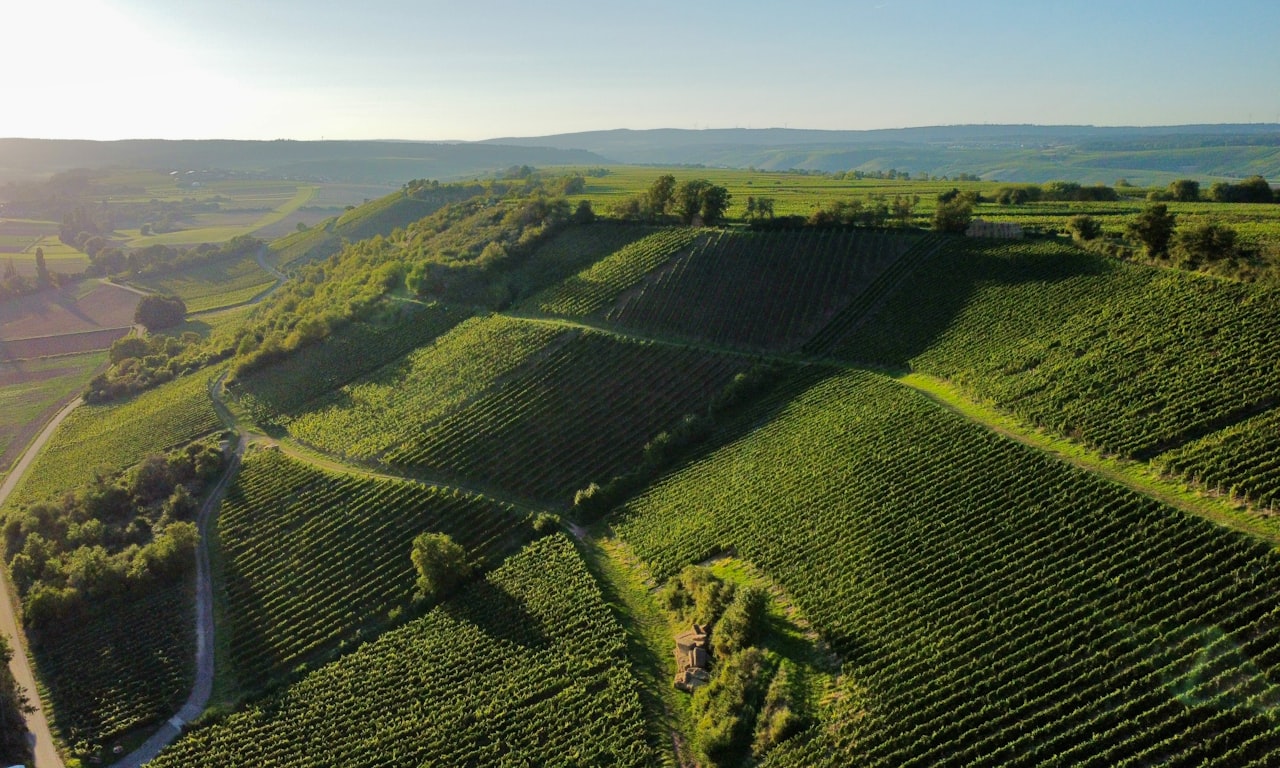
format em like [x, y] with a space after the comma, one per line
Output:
[476, 69]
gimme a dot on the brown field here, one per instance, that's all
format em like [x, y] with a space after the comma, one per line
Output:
[76, 309]
[62, 344]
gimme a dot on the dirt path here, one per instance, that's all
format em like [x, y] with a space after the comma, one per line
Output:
[46, 755]
[203, 685]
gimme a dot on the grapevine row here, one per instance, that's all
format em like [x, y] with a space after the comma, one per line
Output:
[313, 557]
[997, 607]
[527, 667]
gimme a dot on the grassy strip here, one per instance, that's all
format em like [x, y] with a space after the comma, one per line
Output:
[628, 588]
[1138, 476]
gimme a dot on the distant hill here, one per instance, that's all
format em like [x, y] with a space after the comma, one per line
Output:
[1032, 153]
[368, 162]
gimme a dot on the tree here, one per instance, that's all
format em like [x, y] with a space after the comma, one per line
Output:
[1185, 190]
[700, 200]
[661, 195]
[1154, 229]
[953, 216]
[43, 280]
[1084, 227]
[441, 564]
[155, 312]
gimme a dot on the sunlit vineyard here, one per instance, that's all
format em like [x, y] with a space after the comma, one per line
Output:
[389, 406]
[526, 667]
[120, 671]
[1132, 360]
[769, 290]
[596, 287]
[357, 349]
[583, 413]
[1242, 461]
[114, 436]
[993, 606]
[313, 558]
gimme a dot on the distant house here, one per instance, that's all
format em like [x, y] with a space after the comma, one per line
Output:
[997, 229]
[692, 660]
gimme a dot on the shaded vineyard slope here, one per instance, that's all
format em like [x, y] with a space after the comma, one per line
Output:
[994, 606]
[524, 667]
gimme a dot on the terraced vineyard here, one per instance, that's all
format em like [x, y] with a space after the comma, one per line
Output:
[994, 606]
[313, 558]
[118, 435]
[581, 414]
[368, 416]
[786, 285]
[526, 667]
[118, 672]
[357, 349]
[1132, 360]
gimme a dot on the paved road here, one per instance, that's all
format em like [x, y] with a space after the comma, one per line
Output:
[46, 756]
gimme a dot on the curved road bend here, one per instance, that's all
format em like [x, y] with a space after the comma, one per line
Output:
[46, 756]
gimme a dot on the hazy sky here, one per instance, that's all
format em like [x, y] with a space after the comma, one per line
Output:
[472, 69]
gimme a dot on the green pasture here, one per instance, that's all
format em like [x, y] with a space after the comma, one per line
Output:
[224, 226]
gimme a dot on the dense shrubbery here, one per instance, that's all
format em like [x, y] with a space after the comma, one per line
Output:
[109, 539]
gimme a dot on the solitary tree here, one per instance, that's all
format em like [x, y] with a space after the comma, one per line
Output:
[699, 199]
[155, 312]
[1154, 229]
[441, 563]
[43, 280]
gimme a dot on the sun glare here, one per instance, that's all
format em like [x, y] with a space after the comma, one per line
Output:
[89, 70]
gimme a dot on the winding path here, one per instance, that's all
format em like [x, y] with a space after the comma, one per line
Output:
[203, 685]
[42, 746]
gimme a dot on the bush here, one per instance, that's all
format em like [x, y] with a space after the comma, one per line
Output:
[1084, 227]
[741, 623]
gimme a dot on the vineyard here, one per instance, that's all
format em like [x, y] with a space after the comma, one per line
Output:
[313, 559]
[1085, 347]
[763, 290]
[993, 606]
[598, 286]
[581, 414]
[117, 672]
[1242, 460]
[108, 438]
[209, 286]
[357, 349]
[525, 667]
[368, 416]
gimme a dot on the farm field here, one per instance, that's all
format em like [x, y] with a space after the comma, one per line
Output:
[117, 435]
[79, 308]
[525, 666]
[315, 559]
[985, 598]
[214, 285]
[31, 391]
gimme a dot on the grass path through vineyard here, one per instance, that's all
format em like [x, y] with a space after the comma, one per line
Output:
[1135, 475]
